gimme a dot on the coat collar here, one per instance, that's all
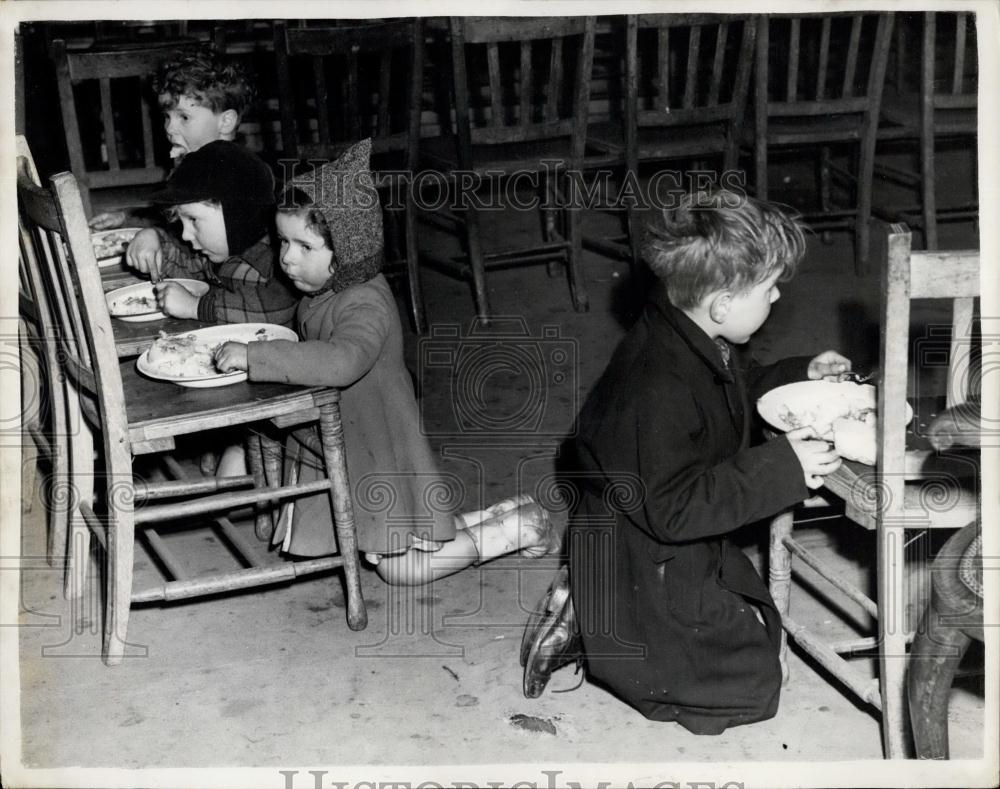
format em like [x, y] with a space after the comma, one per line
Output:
[693, 336]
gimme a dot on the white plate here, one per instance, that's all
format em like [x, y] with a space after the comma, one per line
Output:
[212, 336]
[137, 303]
[109, 245]
[805, 402]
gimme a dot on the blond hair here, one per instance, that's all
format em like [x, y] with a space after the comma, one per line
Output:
[722, 240]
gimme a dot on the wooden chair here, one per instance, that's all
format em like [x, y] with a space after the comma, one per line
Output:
[376, 71]
[129, 416]
[687, 77]
[43, 393]
[818, 83]
[125, 152]
[521, 89]
[909, 488]
[943, 105]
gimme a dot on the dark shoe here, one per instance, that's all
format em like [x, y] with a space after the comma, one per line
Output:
[551, 639]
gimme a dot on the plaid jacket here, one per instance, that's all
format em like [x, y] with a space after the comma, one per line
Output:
[244, 288]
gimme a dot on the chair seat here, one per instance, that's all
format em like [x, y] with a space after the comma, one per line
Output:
[157, 409]
[660, 142]
[900, 117]
[441, 153]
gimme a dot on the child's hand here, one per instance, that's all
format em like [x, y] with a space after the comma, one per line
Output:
[828, 366]
[176, 300]
[815, 456]
[144, 253]
[231, 356]
[108, 220]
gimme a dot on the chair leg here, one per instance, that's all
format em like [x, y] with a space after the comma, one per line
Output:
[477, 264]
[634, 239]
[331, 432]
[76, 486]
[121, 547]
[892, 639]
[578, 290]
[824, 188]
[62, 450]
[928, 196]
[780, 578]
[262, 525]
[862, 219]
[413, 268]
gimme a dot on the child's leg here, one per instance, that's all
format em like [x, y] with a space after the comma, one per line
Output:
[233, 462]
[526, 528]
[466, 519]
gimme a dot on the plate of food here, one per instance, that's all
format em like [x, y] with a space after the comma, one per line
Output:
[189, 359]
[843, 413]
[110, 244]
[137, 303]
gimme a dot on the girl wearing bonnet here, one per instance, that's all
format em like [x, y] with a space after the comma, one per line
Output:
[330, 226]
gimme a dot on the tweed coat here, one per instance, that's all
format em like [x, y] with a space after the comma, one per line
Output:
[667, 604]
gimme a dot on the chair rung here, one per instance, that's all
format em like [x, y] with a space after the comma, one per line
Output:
[184, 509]
[854, 645]
[609, 247]
[164, 555]
[239, 543]
[897, 174]
[832, 662]
[190, 487]
[41, 440]
[839, 583]
[241, 579]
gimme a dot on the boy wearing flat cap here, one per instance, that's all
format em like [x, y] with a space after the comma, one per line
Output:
[223, 197]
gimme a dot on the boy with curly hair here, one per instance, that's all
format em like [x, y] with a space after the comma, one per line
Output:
[203, 98]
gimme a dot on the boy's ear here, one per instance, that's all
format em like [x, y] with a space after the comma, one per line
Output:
[228, 121]
[719, 305]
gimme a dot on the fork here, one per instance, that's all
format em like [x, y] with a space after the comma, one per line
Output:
[858, 378]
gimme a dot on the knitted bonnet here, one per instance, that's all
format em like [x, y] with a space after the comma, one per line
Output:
[344, 192]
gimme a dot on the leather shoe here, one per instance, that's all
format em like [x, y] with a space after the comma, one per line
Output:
[551, 638]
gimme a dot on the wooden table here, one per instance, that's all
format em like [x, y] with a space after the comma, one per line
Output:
[134, 337]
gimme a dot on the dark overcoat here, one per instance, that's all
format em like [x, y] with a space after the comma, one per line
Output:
[665, 602]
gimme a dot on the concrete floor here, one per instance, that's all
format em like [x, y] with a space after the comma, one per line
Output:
[275, 679]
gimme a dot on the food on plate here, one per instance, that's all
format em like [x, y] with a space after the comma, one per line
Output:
[856, 440]
[134, 305]
[182, 356]
[849, 424]
[112, 244]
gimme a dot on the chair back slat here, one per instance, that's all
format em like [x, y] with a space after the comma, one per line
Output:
[108, 119]
[691, 72]
[792, 77]
[497, 99]
[824, 58]
[847, 90]
[721, 36]
[357, 72]
[495, 85]
[555, 81]
[527, 84]
[663, 91]
[958, 70]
